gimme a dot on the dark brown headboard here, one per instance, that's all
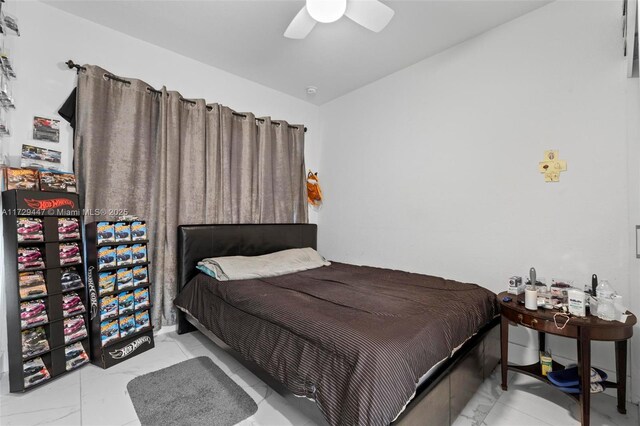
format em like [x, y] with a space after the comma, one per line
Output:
[195, 242]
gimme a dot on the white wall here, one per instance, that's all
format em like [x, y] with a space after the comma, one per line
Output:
[49, 37]
[434, 168]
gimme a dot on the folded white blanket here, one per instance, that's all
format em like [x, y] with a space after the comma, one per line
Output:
[268, 265]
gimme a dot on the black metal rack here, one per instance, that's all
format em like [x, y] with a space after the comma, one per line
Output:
[118, 350]
[45, 209]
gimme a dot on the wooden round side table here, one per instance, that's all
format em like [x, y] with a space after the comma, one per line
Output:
[584, 330]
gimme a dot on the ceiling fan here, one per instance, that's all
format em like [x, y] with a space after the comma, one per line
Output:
[371, 14]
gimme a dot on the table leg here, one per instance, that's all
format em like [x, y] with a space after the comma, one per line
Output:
[542, 341]
[621, 375]
[504, 349]
[584, 370]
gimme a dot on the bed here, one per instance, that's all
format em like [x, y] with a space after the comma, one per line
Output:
[370, 346]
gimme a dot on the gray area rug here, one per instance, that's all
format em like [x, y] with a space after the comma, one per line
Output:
[193, 392]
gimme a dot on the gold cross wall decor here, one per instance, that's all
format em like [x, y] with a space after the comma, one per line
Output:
[552, 166]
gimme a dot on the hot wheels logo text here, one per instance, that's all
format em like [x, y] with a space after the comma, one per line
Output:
[52, 203]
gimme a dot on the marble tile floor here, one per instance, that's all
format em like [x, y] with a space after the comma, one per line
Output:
[93, 396]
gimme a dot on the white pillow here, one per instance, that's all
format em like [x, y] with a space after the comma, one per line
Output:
[269, 265]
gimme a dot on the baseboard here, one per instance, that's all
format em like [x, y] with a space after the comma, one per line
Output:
[165, 329]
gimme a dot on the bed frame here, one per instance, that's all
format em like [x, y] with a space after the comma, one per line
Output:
[439, 399]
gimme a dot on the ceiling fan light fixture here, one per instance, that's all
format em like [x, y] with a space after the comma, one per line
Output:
[326, 11]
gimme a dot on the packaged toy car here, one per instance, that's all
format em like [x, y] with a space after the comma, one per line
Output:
[34, 372]
[75, 355]
[32, 313]
[123, 255]
[106, 257]
[34, 342]
[106, 232]
[141, 296]
[108, 307]
[53, 180]
[30, 229]
[109, 331]
[16, 178]
[125, 302]
[138, 231]
[32, 284]
[70, 254]
[139, 253]
[140, 275]
[72, 304]
[123, 232]
[142, 320]
[70, 279]
[74, 329]
[124, 278]
[68, 228]
[29, 258]
[106, 282]
[127, 325]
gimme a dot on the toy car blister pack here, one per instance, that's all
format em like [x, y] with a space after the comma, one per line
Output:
[16, 178]
[30, 229]
[140, 275]
[72, 304]
[29, 258]
[138, 231]
[34, 342]
[108, 307]
[124, 278]
[109, 331]
[106, 282]
[127, 325]
[106, 232]
[123, 232]
[34, 372]
[142, 320]
[53, 180]
[141, 296]
[70, 254]
[125, 302]
[75, 356]
[74, 329]
[68, 228]
[106, 257]
[32, 313]
[70, 279]
[139, 253]
[32, 284]
[123, 255]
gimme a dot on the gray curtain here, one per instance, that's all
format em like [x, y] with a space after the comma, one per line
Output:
[173, 161]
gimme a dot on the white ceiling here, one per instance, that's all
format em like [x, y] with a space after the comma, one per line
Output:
[245, 37]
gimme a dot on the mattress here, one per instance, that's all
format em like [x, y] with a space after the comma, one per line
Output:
[355, 339]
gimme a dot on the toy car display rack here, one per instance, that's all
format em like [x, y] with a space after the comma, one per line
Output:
[118, 273]
[47, 316]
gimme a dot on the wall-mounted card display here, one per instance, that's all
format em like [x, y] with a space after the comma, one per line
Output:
[118, 261]
[40, 158]
[45, 293]
[7, 66]
[46, 129]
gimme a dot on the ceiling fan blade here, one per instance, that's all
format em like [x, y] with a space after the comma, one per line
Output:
[371, 14]
[301, 25]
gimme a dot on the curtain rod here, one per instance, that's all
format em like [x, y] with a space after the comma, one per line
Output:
[79, 68]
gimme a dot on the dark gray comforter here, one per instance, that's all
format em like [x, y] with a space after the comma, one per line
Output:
[354, 338]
